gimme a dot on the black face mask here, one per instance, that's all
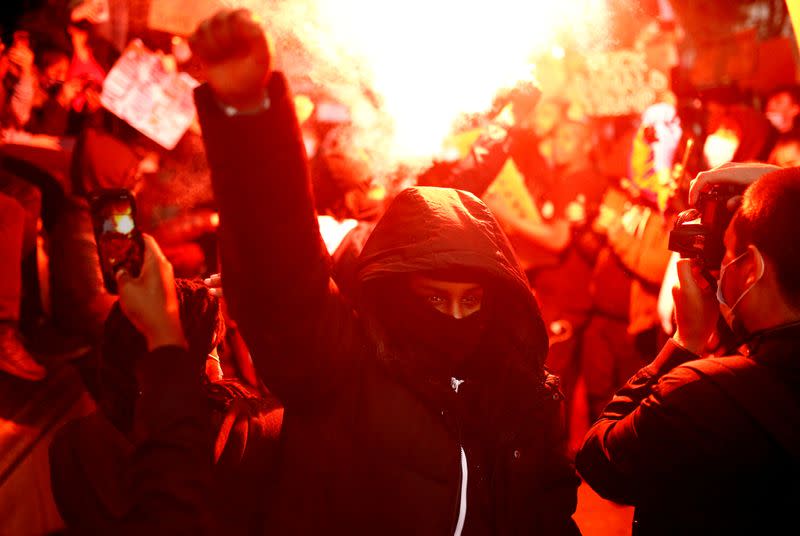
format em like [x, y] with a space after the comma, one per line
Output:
[438, 343]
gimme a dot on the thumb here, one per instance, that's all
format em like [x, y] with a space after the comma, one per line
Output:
[684, 267]
[123, 277]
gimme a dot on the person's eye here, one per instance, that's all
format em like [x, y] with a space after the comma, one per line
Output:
[435, 299]
[471, 301]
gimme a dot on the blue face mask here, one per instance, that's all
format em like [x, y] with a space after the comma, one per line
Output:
[728, 310]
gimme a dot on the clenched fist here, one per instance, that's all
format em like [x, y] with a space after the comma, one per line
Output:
[235, 51]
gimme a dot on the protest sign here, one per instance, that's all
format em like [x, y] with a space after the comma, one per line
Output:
[616, 83]
[156, 100]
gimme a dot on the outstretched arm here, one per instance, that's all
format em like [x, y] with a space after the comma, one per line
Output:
[275, 267]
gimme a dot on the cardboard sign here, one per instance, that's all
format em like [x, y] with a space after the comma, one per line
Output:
[509, 188]
[154, 99]
[180, 17]
[617, 83]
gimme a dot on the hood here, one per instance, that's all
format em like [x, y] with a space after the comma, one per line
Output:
[430, 229]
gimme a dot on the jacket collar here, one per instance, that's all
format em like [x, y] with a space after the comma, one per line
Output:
[777, 346]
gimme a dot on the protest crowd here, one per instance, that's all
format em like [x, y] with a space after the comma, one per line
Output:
[575, 293]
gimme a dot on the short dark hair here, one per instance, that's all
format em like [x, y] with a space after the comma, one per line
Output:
[768, 219]
[792, 90]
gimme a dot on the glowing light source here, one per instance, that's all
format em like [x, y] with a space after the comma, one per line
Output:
[123, 223]
[427, 62]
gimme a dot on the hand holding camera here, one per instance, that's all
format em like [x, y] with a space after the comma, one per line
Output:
[696, 307]
[234, 49]
[731, 173]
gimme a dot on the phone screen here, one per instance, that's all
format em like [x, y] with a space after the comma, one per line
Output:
[119, 241]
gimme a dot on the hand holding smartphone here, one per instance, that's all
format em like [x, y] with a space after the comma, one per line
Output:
[120, 245]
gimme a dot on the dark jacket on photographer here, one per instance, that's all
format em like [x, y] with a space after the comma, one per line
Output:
[704, 447]
[376, 439]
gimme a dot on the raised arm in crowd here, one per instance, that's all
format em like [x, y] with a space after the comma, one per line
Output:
[423, 407]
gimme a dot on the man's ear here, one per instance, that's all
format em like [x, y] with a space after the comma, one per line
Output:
[755, 265]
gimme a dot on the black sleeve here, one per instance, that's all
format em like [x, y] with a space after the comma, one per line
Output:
[275, 267]
[476, 171]
[639, 427]
[172, 462]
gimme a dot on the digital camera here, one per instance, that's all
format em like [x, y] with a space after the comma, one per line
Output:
[699, 232]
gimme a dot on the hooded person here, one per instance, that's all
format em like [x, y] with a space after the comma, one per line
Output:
[419, 406]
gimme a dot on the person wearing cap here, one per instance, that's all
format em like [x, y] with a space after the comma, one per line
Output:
[419, 406]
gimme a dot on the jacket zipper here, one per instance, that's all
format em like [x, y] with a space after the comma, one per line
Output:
[462, 509]
[462, 457]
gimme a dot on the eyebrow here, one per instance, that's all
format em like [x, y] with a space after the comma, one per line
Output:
[428, 286]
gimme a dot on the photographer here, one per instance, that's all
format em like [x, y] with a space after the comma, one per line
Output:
[710, 446]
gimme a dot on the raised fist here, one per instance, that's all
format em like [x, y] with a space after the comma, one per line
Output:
[234, 49]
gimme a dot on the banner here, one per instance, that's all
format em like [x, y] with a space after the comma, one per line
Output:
[154, 99]
[616, 83]
[180, 17]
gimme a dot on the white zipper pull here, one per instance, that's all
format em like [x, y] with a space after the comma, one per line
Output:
[455, 383]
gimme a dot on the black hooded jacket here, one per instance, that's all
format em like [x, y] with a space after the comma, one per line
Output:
[372, 443]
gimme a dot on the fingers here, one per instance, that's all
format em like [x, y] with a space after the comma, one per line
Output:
[690, 277]
[249, 24]
[225, 34]
[697, 185]
[214, 284]
[732, 172]
[204, 41]
[153, 259]
[152, 249]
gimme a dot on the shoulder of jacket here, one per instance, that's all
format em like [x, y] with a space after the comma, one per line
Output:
[704, 375]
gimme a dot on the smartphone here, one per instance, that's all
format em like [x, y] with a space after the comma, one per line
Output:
[119, 240]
